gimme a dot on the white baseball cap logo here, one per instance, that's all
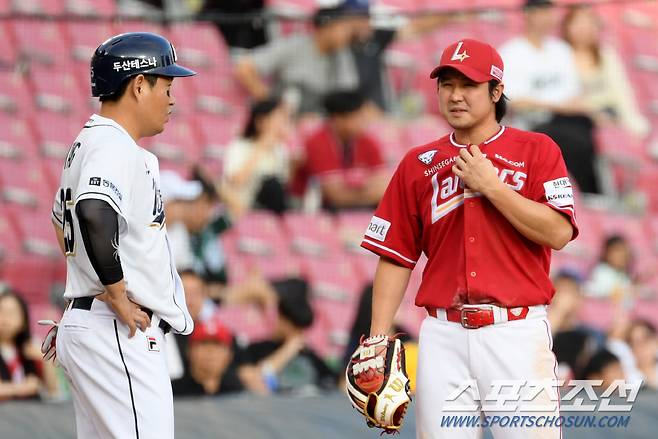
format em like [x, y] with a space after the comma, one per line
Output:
[456, 56]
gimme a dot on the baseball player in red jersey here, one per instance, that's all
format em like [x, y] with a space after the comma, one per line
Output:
[486, 204]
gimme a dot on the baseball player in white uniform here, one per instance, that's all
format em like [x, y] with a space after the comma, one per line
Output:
[123, 289]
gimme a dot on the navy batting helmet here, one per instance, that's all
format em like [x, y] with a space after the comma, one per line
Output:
[127, 55]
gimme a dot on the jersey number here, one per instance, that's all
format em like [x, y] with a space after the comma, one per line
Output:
[69, 235]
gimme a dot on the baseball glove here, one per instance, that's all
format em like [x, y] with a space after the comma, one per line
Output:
[377, 382]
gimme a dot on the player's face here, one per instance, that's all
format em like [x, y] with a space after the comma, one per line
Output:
[209, 358]
[464, 103]
[541, 20]
[159, 102]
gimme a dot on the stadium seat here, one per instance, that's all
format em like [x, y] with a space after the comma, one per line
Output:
[646, 309]
[422, 131]
[56, 133]
[200, 46]
[24, 183]
[31, 276]
[319, 336]
[85, 37]
[177, 143]
[126, 26]
[41, 41]
[351, 227]
[312, 234]
[387, 134]
[15, 96]
[10, 241]
[91, 8]
[59, 91]
[217, 92]
[597, 313]
[337, 319]
[618, 145]
[16, 139]
[36, 230]
[332, 278]
[247, 323]
[46, 7]
[216, 132]
[8, 53]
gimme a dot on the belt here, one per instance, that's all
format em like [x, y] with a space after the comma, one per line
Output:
[477, 316]
[84, 303]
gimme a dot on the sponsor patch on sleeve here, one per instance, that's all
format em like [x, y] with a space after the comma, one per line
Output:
[559, 192]
[378, 228]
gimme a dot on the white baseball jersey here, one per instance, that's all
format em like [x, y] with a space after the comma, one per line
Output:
[105, 163]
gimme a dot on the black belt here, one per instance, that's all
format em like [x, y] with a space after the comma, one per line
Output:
[84, 303]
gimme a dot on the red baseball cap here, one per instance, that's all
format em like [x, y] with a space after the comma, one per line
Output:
[211, 330]
[478, 61]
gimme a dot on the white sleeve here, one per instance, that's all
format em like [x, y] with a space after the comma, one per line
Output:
[570, 83]
[516, 76]
[106, 174]
[58, 213]
[236, 154]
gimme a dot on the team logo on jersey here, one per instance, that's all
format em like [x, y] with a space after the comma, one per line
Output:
[153, 344]
[427, 157]
[378, 228]
[95, 181]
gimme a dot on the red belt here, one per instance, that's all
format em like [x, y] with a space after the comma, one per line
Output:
[474, 317]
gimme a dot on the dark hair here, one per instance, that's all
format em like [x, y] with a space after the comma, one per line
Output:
[24, 334]
[595, 49]
[207, 186]
[501, 105]
[640, 323]
[293, 302]
[114, 97]
[610, 241]
[343, 102]
[189, 272]
[599, 361]
[569, 274]
[324, 16]
[257, 111]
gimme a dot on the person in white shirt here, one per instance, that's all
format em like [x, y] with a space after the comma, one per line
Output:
[123, 289]
[545, 94]
[257, 165]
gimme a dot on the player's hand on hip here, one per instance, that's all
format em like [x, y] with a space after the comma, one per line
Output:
[476, 170]
[130, 314]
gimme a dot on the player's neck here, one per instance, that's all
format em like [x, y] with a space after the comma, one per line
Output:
[123, 117]
[477, 135]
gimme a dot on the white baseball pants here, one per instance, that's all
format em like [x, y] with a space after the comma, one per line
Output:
[451, 356]
[120, 385]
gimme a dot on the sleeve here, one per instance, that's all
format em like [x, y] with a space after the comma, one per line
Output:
[58, 212]
[270, 58]
[394, 231]
[550, 184]
[234, 158]
[106, 174]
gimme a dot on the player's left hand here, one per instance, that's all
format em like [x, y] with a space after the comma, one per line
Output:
[476, 170]
[48, 345]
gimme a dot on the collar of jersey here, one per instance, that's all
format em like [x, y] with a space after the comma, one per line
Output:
[96, 120]
[486, 142]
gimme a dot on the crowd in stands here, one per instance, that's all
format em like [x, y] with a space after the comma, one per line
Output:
[301, 163]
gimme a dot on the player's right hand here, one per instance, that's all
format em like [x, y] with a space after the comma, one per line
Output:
[129, 313]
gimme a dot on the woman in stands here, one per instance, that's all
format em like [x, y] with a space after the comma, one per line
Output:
[257, 165]
[22, 372]
[605, 84]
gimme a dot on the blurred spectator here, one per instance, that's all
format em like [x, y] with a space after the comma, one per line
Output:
[155, 9]
[566, 302]
[612, 276]
[605, 366]
[246, 33]
[22, 371]
[257, 166]
[201, 309]
[605, 84]
[573, 349]
[342, 157]
[373, 37]
[307, 66]
[636, 345]
[542, 82]
[210, 356]
[285, 363]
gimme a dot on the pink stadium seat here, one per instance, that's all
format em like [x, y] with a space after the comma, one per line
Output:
[351, 227]
[184, 93]
[85, 37]
[10, 242]
[24, 183]
[337, 319]
[292, 8]
[318, 336]
[619, 145]
[311, 234]
[91, 8]
[216, 132]
[8, 52]
[16, 139]
[20, 271]
[42, 41]
[393, 6]
[597, 313]
[15, 96]
[332, 278]
[585, 249]
[422, 131]
[177, 143]
[200, 46]
[5, 6]
[387, 135]
[58, 91]
[35, 228]
[56, 133]
[138, 26]
[217, 92]
[47, 7]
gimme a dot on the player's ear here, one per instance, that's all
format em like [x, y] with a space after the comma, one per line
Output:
[497, 92]
[138, 85]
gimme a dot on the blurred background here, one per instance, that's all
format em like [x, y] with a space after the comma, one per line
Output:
[272, 164]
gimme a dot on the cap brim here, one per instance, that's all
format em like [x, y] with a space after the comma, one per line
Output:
[467, 71]
[174, 70]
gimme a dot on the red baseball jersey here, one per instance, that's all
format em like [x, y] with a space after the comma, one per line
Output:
[474, 254]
